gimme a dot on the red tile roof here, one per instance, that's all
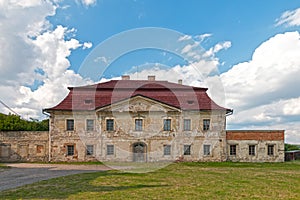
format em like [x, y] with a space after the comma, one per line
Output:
[103, 94]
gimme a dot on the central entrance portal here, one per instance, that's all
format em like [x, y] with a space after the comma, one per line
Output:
[139, 152]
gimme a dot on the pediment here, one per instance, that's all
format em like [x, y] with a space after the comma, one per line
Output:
[138, 104]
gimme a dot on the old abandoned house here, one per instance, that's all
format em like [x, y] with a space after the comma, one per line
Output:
[146, 121]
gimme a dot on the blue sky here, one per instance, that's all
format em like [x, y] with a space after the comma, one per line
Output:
[246, 24]
[245, 52]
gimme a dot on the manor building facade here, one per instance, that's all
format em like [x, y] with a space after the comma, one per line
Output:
[148, 121]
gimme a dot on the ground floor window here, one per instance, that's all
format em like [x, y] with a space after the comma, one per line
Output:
[187, 150]
[70, 150]
[206, 150]
[252, 150]
[167, 150]
[110, 149]
[270, 150]
[89, 150]
[232, 150]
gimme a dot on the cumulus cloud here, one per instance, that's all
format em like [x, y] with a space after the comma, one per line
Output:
[34, 57]
[289, 18]
[263, 91]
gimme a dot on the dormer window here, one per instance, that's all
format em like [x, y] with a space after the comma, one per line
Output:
[190, 102]
[88, 101]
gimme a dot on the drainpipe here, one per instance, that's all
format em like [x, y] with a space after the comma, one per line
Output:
[49, 136]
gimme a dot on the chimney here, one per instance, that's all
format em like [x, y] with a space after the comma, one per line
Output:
[151, 78]
[180, 81]
[125, 77]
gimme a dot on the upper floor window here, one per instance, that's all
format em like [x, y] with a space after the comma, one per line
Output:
[270, 150]
[186, 124]
[251, 150]
[70, 124]
[206, 150]
[232, 150]
[138, 124]
[109, 124]
[167, 124]
[89, 124]
[206, 124]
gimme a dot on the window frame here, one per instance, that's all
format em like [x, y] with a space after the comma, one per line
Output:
[232, 149]
[187, 124]
[137, 126]
[206, 150]
[167, 124]
[187, 149]
[110, 127]
[87, 124]
[206, 126]
[271, 148]
[110, 150]
[252, 150]
[68, 128]
[167, 150]
[70, 150]
[88, 152]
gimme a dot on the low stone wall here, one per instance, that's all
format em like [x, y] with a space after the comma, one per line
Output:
[23, 146]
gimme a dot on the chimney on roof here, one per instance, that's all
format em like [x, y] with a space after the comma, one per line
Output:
[151, 78]
[180, 81]
[125, 77]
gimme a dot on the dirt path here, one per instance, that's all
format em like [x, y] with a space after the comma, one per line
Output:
[25, 173]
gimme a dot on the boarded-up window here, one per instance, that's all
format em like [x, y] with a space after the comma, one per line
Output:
[4, 150]
[39, 149]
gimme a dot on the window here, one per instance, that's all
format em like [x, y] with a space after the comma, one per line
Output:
[88, 101]
[252, 150]
[270, 150]
[89, 150]
[167, 124]
[167, 150]
[186, 149]
[138, 124]
[232, 150]
[206, 124]
[109, 124]
[89, 124]
[186, 124]
[70, 124]
[70, 150]
[206, 150]
[110, 149]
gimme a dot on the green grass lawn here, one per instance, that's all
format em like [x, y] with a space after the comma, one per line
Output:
[176, 181]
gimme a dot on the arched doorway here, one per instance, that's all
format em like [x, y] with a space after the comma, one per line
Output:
[139, 150]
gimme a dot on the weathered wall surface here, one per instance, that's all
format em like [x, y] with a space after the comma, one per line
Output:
[124, 136]
[261, 139]
[24, 146]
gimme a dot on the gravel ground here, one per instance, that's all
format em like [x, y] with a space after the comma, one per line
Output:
[25, 173]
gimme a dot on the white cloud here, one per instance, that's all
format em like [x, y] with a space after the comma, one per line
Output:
[202, 37]
[34, 56]
[264, 91]
[88, 2]
[184, 37]
[87, 45]
[218, 47]
[289, 18]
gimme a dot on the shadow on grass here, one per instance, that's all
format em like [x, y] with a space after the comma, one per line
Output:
[64, 187]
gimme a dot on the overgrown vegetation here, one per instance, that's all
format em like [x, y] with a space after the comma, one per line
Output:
[291, 147]
[15, 123]
[177, 181]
